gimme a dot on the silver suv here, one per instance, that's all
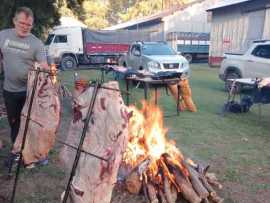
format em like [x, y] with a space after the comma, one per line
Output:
[155, 57]
[254, 63]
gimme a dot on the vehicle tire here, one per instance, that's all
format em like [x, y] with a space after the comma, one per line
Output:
[189, 57]
[68, 63]
[124, 64]
[228, 84]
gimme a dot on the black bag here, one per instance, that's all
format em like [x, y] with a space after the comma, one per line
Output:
[236, 107]
[246, 103]
[233, 107]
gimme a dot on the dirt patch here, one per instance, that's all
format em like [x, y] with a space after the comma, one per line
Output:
[252, 189]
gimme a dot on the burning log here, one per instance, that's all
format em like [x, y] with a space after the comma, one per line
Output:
[166, 177]
[152, 193]
[186, 188]
[170, 192]
[196, 182]
[212, 193]
[145, 192]
[106, 137]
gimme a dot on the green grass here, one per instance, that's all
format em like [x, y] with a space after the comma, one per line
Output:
[235, 145]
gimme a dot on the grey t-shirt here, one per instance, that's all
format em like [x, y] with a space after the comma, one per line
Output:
[19, 55]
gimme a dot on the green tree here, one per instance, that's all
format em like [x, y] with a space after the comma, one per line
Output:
[45, 12]
[141, 8]
[117, 7]
[95, 13]
[76, 6]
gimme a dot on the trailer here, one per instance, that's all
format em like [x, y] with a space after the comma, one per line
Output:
[192, 45]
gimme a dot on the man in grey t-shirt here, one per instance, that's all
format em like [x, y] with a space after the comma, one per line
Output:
[20, 50]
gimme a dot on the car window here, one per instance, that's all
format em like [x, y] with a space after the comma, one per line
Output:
[135, 48]
[60, 39]
[49, 39]
[157, 49]
[262, 51]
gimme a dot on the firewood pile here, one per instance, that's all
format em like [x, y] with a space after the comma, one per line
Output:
[153, 166]
[173, 182]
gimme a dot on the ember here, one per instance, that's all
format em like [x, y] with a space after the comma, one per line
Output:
[158, 168]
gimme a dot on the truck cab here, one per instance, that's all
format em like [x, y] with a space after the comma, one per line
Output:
[155, 57]
[64, 45]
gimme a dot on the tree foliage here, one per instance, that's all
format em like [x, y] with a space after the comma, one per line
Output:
[45, 12]
[148, 7]
[94, 13]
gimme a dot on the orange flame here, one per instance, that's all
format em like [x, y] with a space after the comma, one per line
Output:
[148, 138]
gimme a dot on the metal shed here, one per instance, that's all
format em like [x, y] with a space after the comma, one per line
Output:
[183, 27]
[235, 24]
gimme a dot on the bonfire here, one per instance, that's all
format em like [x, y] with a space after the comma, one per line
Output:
[156, 167]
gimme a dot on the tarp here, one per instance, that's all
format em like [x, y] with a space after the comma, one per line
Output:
[121, 36]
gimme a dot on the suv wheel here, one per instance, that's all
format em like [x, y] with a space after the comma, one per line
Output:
[228, 84]
[68, 63]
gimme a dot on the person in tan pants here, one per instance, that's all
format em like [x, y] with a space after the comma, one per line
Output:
[186, 102]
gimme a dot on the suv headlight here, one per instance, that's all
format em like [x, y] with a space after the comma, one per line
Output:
[153, 65]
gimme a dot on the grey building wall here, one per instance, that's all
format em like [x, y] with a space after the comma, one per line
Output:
[235, 27]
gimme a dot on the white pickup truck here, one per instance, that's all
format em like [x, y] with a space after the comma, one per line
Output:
[255, 63]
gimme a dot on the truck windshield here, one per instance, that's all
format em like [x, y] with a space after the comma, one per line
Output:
[157, 49]
[49, 39]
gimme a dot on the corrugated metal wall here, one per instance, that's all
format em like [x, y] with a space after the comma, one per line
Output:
[191, 19]
[266, 32]
[234, 28]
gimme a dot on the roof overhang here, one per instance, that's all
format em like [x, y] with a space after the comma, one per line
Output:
[226, 3]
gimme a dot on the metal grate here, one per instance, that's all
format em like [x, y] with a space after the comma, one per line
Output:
[171, 65]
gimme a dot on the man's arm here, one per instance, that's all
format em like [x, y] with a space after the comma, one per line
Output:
[41, 56]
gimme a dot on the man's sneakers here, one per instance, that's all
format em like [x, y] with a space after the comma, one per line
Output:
[42, 162]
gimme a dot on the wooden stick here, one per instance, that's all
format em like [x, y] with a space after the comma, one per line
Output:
[145, 190]
[152, 194]
[212, 179]
[162, 196]
[196, 183]
[167, 173]
[213, 195]
[170, 195]
[186, 188]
